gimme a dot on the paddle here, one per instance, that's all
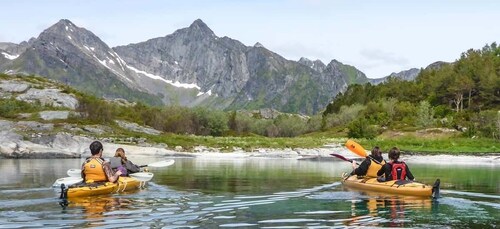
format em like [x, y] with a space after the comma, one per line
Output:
[341, 157]
[356, 148]
[142, 176]
[67, 181]
[159, 164]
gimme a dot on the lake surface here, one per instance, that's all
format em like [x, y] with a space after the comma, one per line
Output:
[248, 193]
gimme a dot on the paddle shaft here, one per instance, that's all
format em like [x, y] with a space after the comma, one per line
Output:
[341, 157]
[159, 164]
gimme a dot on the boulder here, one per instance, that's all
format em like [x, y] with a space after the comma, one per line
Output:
[49, 97]
[13, 87]
[137, 128]
[34, 126]
[6, 125]
[51, 115]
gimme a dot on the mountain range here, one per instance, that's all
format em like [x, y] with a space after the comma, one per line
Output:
[190, 67]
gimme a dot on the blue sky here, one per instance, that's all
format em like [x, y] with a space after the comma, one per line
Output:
[377, 37]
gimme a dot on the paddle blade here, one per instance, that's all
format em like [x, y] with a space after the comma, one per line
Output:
[142, 176]
[67, 181]
[162, 163]
[340, 157]
[74, 172]
[355, 148]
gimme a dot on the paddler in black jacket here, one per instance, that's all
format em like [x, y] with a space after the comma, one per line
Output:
[371, 165]
[395, 170]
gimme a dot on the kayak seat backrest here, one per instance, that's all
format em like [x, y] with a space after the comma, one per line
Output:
[115, 162]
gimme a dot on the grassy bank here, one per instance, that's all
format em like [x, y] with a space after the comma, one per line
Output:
[247, 143]
[437, 146]
[449, 144]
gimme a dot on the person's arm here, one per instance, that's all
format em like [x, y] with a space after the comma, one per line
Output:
[83, 171]
[109, 172]
[381, 171]
[408, 173]
[131, 167]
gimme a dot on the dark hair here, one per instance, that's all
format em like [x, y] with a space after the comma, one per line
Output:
[376, 151]
[95, 147]
[394, 153]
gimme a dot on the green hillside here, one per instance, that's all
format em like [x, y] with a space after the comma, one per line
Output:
[464, 95]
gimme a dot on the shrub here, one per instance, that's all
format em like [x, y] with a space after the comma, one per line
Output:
[9, 108]
[290, 125]
[360, 128]
[425, 114]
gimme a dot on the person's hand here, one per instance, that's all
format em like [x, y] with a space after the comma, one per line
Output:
[354, 165]
[118, 173]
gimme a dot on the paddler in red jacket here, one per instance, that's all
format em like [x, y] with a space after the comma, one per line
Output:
[395, 170]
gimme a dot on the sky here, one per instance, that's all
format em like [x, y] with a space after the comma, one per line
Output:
[377, 37]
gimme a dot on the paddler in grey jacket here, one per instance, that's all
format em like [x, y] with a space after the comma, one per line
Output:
[120, 162]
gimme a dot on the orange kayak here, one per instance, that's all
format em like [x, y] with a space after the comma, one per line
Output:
[403, 187]
[123, 184]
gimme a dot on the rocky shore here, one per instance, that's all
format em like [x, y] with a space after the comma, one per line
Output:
[67, 145]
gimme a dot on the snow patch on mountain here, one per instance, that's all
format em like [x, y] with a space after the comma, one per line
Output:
[9, 56]
[209, 92]
[175, 84]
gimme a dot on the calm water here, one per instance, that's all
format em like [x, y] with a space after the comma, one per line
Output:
[248, 193]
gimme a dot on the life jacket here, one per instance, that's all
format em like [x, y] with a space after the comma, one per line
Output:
[116, 165]
[93, 170]
[374, 167]
[398, 170]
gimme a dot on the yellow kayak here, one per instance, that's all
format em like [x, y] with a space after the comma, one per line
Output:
[403, 187]
[93, 189]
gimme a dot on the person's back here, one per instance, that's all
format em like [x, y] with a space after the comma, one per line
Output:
[93, 169]
[371, 165]
[394, 169]
[120, 162]
[96, 169]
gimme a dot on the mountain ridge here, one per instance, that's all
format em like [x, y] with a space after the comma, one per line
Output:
[190, 67]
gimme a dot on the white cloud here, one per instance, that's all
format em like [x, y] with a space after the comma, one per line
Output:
[383, 57]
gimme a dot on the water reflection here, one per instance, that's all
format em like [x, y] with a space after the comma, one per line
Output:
[279, 193]
[391, 210]
[96, 207]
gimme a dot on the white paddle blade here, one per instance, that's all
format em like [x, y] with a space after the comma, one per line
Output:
[67, 181]
[142, 176]
[162, 163]
[74, 172]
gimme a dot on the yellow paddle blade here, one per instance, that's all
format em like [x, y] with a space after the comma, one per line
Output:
[355, 148]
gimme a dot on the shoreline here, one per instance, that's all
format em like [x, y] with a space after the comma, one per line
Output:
[65, 145]
[317, 154]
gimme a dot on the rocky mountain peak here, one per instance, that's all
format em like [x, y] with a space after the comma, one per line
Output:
[407, 75]
[61, 26]
[436, 65]
[200, 26]
[305, 61]
[64, 32]
[258, 45]
[317, 65]
[190, 67]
